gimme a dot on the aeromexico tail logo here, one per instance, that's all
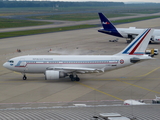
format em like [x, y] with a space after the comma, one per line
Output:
[106, 23]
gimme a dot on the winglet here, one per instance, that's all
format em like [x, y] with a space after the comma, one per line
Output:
[139, 44]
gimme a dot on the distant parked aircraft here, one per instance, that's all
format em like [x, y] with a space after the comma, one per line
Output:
[133, 102]
[131, 32]
[60, 66]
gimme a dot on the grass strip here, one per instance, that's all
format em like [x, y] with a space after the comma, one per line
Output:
[10, 23]
[75, 17]
[135, 19]
[39, 31]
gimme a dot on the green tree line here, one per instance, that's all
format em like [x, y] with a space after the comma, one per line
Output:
[12, 4]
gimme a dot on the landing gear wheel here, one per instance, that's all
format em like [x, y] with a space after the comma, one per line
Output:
[24, 77]
[76, 78]
[71, 77]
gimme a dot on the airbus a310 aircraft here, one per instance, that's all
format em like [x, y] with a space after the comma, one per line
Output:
[60, 66]
[131, 32]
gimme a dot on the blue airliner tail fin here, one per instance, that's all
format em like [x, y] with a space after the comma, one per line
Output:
[108, 27]
[105, 22]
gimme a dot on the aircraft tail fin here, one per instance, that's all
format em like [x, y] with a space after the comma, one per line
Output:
[156, 96]
[108, 27]
[105, 22]
[139, 44]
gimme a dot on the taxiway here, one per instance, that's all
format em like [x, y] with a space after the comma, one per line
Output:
[139, 81]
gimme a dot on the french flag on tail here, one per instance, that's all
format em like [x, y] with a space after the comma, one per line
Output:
[139, 44]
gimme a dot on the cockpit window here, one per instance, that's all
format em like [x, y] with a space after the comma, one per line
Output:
[11, 61]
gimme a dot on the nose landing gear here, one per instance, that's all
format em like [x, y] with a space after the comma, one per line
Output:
[24, 77]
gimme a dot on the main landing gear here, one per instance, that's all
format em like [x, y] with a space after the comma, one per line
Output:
[74, 78]
[24, 77]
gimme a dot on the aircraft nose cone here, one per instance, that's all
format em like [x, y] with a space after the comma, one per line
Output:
[6, 65]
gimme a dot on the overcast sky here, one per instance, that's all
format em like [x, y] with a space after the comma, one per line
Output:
[156, 1]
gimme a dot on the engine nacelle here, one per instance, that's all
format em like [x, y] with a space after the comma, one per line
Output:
[52, 74]
[132, 36]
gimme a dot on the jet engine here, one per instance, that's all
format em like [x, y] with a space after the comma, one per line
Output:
[52, 74]
[131, 36]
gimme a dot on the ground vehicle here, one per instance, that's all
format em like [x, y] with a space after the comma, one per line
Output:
[150, 52]
[156, 52]
[116, 40]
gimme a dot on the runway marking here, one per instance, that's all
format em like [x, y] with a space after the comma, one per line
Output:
[138, 86]
[149, 72]
[16, 72]
[100, 91]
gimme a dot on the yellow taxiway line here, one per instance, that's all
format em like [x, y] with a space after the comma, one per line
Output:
[138, 86]
[122, 82]
[100, 91]
[149, 72]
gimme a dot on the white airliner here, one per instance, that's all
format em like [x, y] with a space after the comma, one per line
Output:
[60, 66]
[131, 32]
[133, 102]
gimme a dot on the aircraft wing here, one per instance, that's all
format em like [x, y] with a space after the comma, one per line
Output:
[78, 69]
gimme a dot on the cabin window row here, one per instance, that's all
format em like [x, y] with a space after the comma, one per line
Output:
[73, 62]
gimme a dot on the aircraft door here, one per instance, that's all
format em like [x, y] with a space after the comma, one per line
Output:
[114, 63]
[60, 63]
[23, 65]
